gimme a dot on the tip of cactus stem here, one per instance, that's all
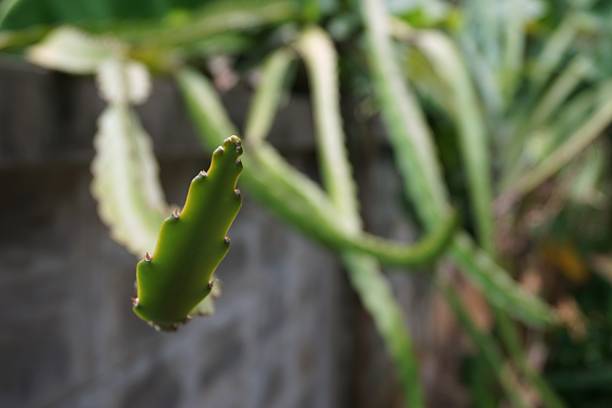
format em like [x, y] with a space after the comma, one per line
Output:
[234, 144]
[147, 257]
[233, 139]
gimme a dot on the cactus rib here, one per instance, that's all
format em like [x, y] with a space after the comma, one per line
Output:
[191, 243]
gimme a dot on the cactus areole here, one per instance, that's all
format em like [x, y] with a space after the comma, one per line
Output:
[191, 243]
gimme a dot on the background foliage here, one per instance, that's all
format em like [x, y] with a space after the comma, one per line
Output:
[494, 112]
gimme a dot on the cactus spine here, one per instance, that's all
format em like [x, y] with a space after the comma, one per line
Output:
[191, 243]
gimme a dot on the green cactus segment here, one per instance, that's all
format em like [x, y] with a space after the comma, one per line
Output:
[409, 134]
[450, 69]
[419, 167]
[275, 75]
[426, 250]
[497, 285]
[125, 180]
[486, 345]
[191, 243]
[364, 273]
[376, 294]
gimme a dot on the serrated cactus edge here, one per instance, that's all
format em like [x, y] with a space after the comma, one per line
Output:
[178, 275]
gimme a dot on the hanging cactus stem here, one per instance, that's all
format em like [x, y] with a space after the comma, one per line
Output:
[191, 243]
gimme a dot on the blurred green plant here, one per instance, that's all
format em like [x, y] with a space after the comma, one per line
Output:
[524, 86]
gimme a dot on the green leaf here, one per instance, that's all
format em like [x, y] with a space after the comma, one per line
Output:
[153, 25]
[26, 13]
[71, 50]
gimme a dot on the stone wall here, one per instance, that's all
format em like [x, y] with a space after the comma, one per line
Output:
[288, 331]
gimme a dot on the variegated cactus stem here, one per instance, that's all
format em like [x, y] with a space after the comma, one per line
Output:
[179, 274]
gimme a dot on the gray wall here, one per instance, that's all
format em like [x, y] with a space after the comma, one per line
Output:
[288, 331]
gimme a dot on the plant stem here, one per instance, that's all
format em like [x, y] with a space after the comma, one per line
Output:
[486, 346]
[363, 271]
[449, 67]
[419, 167]
[268, 95]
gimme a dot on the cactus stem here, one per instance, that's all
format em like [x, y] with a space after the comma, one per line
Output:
[188, 252]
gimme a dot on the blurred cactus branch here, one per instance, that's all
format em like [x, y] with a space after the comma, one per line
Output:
[363, 272]
[474, 141]
[486, 346]
[417, 162]
[447, 64]
[296, 198]
[575, 144]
